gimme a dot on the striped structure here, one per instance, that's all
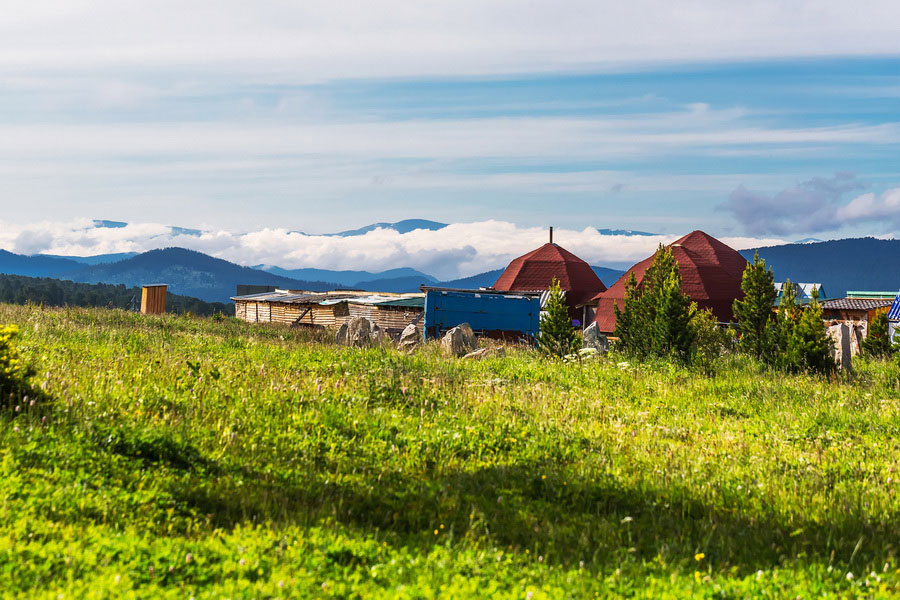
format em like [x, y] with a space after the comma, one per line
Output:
[894, 312]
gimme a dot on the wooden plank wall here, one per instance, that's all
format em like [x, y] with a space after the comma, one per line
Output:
[393, 319]
[153, 300]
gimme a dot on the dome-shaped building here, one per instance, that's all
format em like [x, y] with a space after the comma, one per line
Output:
[535, 272]
[710, 271]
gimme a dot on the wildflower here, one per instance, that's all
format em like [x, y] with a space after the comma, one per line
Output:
[435, 532]
[627, 520]
[849, 576]
[241, 562]
[16, 429]
[188, 558]
[699, 556]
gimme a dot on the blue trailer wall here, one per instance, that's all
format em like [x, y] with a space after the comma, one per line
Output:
[492, 314]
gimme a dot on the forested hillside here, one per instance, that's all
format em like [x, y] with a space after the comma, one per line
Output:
[18, 289]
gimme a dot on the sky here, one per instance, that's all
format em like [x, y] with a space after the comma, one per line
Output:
[766, 120]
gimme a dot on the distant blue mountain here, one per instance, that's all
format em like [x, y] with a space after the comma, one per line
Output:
[622, 232]
[350, 279]
[97, 259]
[104, 224]
[185, 231]
[809, 240]
[839, 265]
[404, 226]
[36, 266]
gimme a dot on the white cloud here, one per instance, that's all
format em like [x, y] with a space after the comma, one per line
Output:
[458, 250]
[339, 39]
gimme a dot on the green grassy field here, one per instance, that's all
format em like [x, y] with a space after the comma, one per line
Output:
[183, 457]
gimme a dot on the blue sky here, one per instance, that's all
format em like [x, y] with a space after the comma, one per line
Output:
[768, 121]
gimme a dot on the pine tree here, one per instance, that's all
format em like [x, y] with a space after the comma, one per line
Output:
[808, 347]
[672, 333]
[558, 337]
[632, 321]
[754, 311]
[656, 319]
[878, 342]
[788, 315]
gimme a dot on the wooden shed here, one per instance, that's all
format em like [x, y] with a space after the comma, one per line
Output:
[391, 312]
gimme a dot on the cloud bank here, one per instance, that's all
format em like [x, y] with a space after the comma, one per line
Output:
[458, 250]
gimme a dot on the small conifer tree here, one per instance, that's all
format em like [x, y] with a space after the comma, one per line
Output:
[656, 318]
[788, 315]
[558, 337]
[632, 321]
[754, 312]
[808, 347]
[672, 333]
[878, 342]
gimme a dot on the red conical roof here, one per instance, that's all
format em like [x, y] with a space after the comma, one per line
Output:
[536, 271]
[711, 275]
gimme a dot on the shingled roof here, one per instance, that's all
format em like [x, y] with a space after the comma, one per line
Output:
[710, 273]
[535, 271]
[865, 304]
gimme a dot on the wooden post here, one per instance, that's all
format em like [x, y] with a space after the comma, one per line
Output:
[153, 299]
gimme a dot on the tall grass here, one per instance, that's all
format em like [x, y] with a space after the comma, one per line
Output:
[183, 456]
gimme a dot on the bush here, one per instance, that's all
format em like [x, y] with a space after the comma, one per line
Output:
[13, 372]
[806, 344]
[710, 341]
[878, 342]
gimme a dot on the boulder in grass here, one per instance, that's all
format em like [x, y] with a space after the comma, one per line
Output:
[409, 339]
[459, 341]
[360, 332]
[594, 339]
[341, 337]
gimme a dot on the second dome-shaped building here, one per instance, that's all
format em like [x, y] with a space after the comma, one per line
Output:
[711, 273]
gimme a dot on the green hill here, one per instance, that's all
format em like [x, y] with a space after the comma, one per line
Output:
[177, 457]
[18, 289]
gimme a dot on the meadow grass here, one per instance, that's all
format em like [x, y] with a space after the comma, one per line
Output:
[185, 457]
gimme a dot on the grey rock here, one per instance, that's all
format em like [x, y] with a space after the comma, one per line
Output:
[341, 337]
[409, 339]
[459, 341]
[362, 332]
[594, 339]
[841, 335]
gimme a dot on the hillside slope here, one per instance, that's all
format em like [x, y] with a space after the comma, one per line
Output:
[173, 457]
[189, 273]
[839, 265]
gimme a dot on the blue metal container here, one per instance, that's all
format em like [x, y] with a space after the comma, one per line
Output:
[509, 315]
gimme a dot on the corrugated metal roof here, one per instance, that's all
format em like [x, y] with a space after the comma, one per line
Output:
[328, 299]
[869, 294]
[414, 302]
[856, 303]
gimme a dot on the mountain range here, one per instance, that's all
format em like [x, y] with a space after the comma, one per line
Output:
[838, 265]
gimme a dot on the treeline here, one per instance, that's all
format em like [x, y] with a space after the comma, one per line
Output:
[18, 289]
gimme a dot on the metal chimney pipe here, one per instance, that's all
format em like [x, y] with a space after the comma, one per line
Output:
[551, 235]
